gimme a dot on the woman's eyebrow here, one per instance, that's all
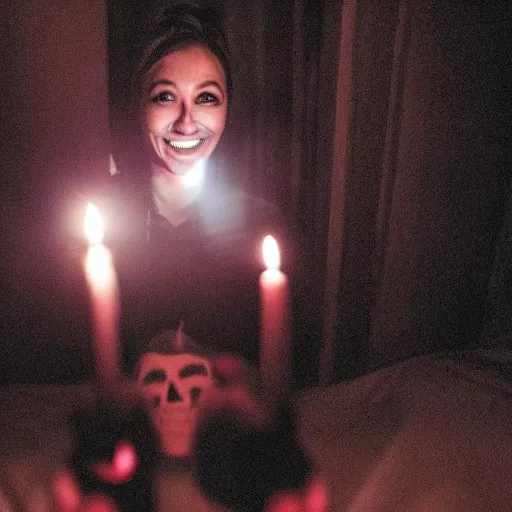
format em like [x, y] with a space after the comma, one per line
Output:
[162, 81]
[208, 83]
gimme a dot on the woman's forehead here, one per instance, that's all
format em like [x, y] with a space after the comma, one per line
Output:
[192, 63]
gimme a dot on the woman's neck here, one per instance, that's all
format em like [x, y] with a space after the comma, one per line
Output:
[173, 196]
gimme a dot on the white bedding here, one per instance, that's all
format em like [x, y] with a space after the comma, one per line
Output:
[430, 434]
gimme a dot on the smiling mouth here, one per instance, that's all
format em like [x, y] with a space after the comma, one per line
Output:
[184, 144]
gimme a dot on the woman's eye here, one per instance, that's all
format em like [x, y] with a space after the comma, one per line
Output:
[207, 97]
[162, 97]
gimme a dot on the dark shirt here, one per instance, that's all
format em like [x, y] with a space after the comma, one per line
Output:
[204, 271]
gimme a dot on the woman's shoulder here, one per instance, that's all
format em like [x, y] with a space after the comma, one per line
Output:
[237, 223]
[233, 209]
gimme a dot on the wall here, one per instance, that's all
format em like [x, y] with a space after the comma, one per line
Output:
[54, 146]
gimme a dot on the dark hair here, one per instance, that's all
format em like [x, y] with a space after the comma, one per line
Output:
[176, 28]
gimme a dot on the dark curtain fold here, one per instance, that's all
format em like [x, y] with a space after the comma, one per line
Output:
[498, 312]
[426, 175]
[451, 180]
[379, 128]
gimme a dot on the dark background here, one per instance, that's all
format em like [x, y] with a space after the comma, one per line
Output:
[380, 128]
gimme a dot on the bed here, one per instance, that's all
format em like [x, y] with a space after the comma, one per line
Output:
[432, 433]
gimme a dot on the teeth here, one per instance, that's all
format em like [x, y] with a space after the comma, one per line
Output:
[184, 144]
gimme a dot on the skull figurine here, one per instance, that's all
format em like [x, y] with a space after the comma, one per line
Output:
[172, 384]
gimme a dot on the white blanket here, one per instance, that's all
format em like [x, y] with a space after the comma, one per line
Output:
[430, 434]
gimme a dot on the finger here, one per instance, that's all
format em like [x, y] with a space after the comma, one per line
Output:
[235, 401]
[284, 502]
[229, 370]
[123, 466]
[66, 492]
[239, 391]
[98, 503]
[316, 496]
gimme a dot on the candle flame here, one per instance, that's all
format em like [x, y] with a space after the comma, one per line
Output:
[271, 253]
[93, 225]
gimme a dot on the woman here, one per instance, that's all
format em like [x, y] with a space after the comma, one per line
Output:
[201, 255]
[199, 263]
[181, 87]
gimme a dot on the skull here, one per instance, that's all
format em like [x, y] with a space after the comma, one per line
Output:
[172, 384]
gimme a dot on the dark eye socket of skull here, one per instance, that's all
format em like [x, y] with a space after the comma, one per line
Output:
[154, 376]
[193, 369]
[194, 395]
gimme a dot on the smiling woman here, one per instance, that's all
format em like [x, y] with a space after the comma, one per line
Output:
[183, 114]
[181, 87]
[198, 257]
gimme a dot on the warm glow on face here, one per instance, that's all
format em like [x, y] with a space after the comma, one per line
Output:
[271, 253]
[184, 106]
[93, 225]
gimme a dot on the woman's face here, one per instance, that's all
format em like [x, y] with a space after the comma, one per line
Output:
[183, 109]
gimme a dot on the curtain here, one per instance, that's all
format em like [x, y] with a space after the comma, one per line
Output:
[423, 169]
[380, 130]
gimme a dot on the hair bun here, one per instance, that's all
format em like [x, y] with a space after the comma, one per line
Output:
[180, 25]
[186, 18]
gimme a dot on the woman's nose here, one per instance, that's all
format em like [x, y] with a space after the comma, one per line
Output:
[185, 123]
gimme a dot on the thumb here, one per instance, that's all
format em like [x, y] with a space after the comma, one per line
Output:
[98, 503]
[313, 499]
[284, 502]
[66, 492]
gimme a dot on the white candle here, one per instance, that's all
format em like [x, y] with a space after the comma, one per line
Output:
[102, 284]
[275, 366]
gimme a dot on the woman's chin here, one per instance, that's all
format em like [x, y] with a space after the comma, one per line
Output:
[171, 171]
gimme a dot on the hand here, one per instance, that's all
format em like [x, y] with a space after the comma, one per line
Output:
[113, 461]
[246, 449]
[68, 495]
[69, 498]
[313, 498]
